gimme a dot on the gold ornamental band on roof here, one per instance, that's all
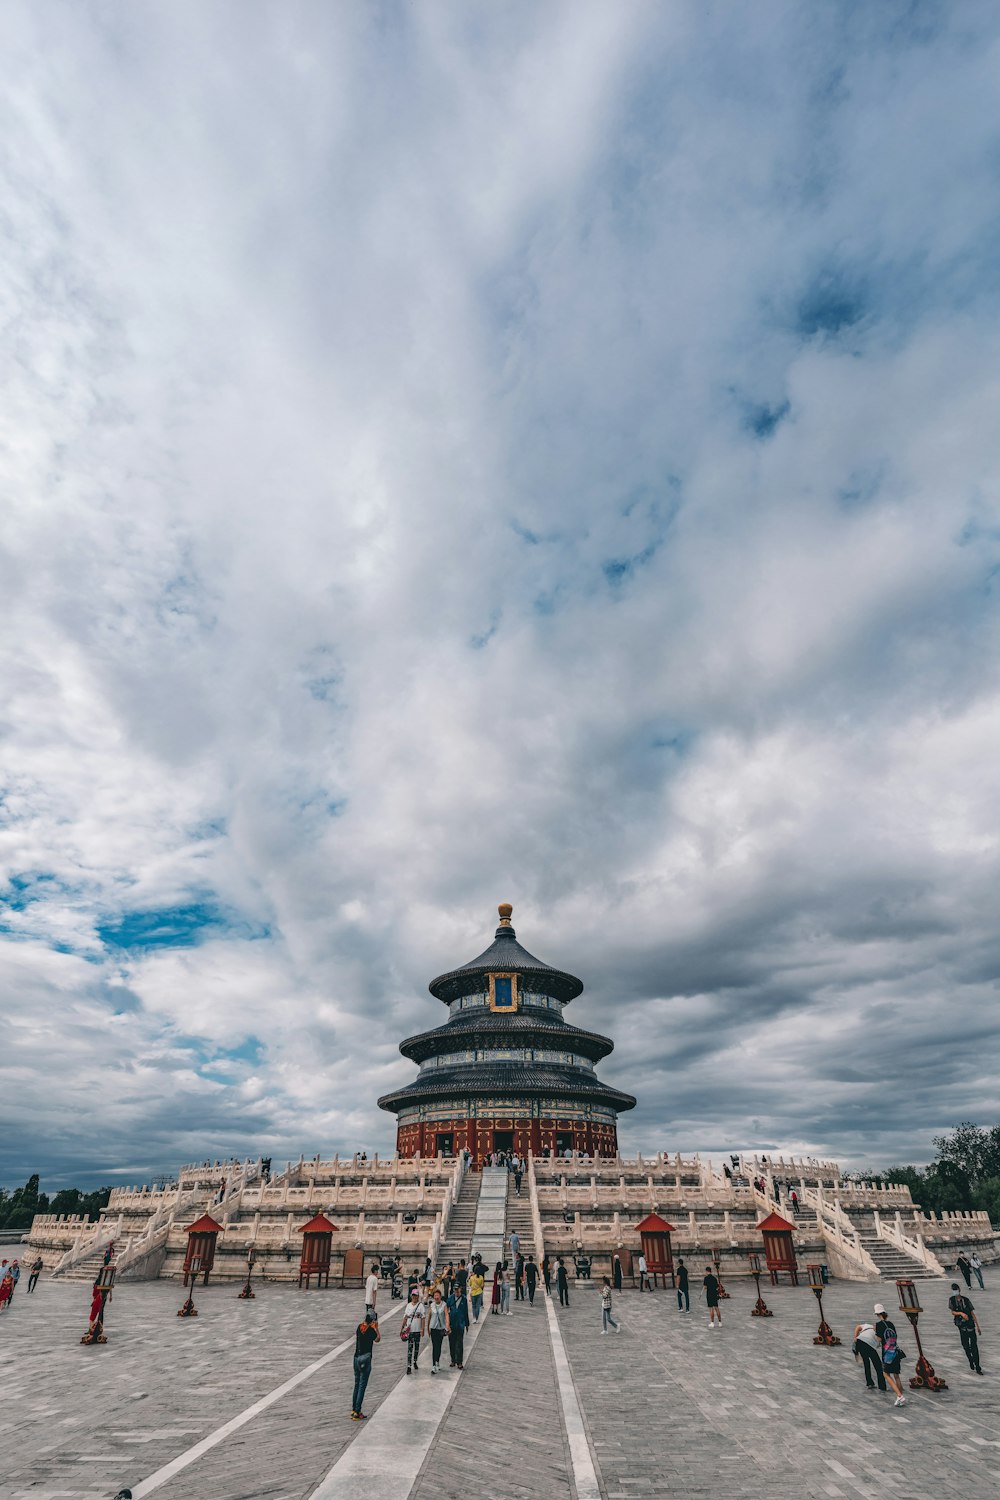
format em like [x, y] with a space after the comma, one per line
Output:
[506, 912]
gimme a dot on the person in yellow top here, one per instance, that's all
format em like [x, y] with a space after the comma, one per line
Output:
[477, 1281]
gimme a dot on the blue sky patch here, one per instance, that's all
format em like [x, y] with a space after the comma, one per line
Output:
[175, 927]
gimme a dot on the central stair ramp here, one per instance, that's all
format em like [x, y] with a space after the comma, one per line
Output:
[491, 1215]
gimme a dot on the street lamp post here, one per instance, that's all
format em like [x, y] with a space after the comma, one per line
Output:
[825, 1334]
[717, 1263]
[247, 1294]
[189, 1310]
[102, 1291]
[924, 1378]
[760, 1308]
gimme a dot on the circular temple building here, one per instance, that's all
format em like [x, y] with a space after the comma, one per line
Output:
[506, 1071]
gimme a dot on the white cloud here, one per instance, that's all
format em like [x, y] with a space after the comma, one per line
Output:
[530, 454]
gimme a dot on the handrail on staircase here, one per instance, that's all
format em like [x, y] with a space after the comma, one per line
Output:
[536, 1218]
[914, 1246]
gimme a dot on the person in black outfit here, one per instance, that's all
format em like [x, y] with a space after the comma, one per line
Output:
[531, 1277]
[967, 1324]
[711, 1285]
[683, 1297]
[547, 1273]
[366, 1336]
[616, 1272]
[562, 1282]
[964, 1264]
[519, 1278]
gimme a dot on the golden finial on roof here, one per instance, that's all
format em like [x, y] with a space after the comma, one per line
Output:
[505, 909]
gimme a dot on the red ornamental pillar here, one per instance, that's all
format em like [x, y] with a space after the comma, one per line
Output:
[202, 1235]
[779, 1251]
[317, 1247]
[655, 1235]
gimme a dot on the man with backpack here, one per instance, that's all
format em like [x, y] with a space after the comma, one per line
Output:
[967, 1324]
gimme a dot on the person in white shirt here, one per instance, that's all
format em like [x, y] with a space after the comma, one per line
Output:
[643, 1274]
[868, 1349]
[371, 1289]
[974, 1261]
[414, 1319]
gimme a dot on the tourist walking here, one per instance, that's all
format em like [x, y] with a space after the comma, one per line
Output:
[711, 1284]
[495, 1295]
[885, 1331]
[531, 1278]
[39, 1266]
[547, 1273]
[644, 1275]
[562, 1282]
[967, 1324]
[477, 1282]
[616, 1271]
[505, 1291]
[15, 1271]
[683, 1294]
[413, 1326]
[519, 1279]
[438, 1324]
[371, 1288]
[965, 1266]
[977, 1267]
[515, 1244]
[606, 1314]
[6, 1289]
[366, 1336]
[868, 1351]
[517, 1179]
[458, 1314]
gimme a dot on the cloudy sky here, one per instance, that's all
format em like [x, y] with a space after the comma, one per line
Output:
[464, 453]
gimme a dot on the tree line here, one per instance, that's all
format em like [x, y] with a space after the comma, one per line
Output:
[18, 1208]
[964, 1175]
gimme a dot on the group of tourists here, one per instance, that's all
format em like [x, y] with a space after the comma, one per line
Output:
[877, 1345]
[438, 1308]
[10, 1275]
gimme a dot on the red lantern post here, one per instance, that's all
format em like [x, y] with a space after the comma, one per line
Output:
[825, 1334]
[102, 1293]
[760, 1308]
[924, 1377]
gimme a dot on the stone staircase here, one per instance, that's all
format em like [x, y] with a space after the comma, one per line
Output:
[894, 1264]
[519, 1217]
[87, 1267]
[457, 1241]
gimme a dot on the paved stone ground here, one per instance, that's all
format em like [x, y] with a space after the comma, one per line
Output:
[672, 1409]
[80, 1421]
[503, 1433]
[754, 1408]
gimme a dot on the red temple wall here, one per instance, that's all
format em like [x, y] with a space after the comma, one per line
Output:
[595, 1138]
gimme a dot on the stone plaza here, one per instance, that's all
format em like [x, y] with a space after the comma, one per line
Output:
[252, 1399]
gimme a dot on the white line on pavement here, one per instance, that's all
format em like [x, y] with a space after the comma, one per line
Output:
[387, 1455]
[190, 1455]
[584, 1473]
